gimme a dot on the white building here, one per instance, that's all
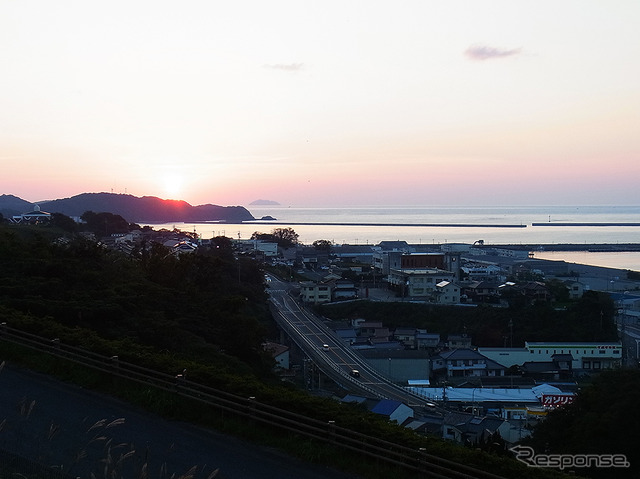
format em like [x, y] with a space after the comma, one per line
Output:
[419, 282]
[447, 293]
[586, 356]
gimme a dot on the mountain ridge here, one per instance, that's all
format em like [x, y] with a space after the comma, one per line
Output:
[134, 209]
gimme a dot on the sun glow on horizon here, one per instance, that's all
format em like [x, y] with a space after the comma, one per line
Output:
[172, 186]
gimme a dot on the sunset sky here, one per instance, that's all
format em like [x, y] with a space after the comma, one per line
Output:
[322, 103]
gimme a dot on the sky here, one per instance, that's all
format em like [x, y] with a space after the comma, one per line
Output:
[322, 103]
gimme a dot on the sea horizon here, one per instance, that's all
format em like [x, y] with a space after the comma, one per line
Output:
[492, 225]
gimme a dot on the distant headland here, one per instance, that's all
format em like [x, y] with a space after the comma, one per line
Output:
[264, 203]
[146, 209]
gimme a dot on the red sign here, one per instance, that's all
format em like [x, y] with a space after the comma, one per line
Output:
[556, 400]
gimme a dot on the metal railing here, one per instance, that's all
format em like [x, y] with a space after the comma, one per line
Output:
[327, 432]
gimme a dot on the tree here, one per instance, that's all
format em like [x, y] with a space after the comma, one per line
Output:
[105, 224]
[558, 289]
[322, 245]
[63, 222]
[285, 237]
[603, 419]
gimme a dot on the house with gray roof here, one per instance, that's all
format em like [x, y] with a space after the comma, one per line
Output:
[461, 363]
[469, 429]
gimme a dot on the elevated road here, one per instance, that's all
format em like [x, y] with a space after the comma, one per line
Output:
[331, 354]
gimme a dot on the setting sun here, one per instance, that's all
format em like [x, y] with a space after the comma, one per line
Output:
[172, 186]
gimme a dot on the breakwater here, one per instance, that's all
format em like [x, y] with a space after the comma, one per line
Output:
[585, 224]
[387, 225]
[590, 247]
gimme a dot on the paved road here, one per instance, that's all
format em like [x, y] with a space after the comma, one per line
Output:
[331, 354]
[73, 410]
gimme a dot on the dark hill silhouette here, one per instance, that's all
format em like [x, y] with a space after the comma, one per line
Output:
[146, 209]
[12, 205]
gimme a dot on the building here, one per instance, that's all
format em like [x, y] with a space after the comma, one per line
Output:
[315, 293]
[484, 272]
[418, 283]
[576, 289]
[558, 359]
[461, 363]
[586, 357]
[506, 356]
[482, 292]
[469, 429]
[447, 292]
[404, 258]
[342, 289]
[372, 332]
[394, 410]
[455, 341]
[279, 352]
[399, 365]
[33, 217]
[558, 369]
[426, 340]
[407, 336]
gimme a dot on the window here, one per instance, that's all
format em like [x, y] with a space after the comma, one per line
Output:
[602, 351]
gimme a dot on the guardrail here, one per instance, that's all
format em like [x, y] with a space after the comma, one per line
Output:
[328, 432]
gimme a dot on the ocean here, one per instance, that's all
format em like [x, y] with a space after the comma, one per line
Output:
[438, 225]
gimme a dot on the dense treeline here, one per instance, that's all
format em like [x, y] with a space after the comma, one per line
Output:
[590, 318]
[199, 305]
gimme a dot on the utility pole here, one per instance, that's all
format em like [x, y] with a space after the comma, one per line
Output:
[511, 332]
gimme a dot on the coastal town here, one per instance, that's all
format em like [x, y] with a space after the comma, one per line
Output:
[456, 386]
[487, 390]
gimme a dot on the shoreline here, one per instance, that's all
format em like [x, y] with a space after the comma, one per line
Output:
[588, 247]
[386, 225]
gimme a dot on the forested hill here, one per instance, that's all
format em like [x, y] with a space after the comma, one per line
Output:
[146, 209]
[194, 305]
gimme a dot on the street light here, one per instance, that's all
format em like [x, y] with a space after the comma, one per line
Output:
[473, 409]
